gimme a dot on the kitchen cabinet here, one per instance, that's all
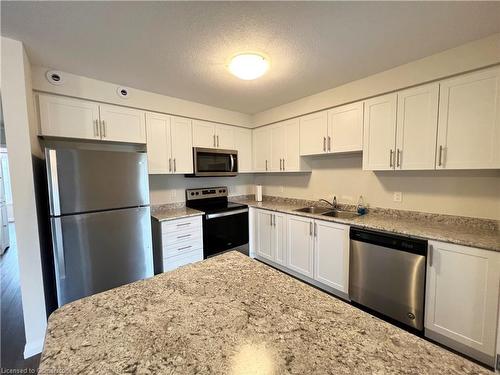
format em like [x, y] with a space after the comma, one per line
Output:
[177, 242]
[271, 236]
[262, 149]
[379, 132]
[345, 128]
[169, 144]
[300, 244]
[243, 144]
[285, 145]
[417, 117]
[68, 118]
[313, 133]
[469, 121]
[74, 118]
[211, 135]
[331, 254]
[462, 296]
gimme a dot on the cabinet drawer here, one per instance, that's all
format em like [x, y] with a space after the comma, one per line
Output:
[180, 235]
[182, 246]
[192, 256]
[180, 225]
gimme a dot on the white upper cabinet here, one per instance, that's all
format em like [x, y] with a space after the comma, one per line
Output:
[313, 133]
[416, 128]
[300, 245]
[379, 132]
[285, 145]
[469, 121]
[169, 144]
[158, 143]
[345, 128]
[462, 296]
[243, 144]
[204, 134]
[278, 146]
[262, 149]
[181, 138]
[68, 118]
[331, 254]
[211, 135]
[122, 124]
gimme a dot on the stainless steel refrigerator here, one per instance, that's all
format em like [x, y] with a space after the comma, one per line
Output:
[100, 220]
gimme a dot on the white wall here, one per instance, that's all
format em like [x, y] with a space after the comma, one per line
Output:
[22, 143]
[92, 89]
[464, 193]
[171, 189]
[470, 56]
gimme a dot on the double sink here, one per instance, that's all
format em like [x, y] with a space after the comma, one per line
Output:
[328, 212]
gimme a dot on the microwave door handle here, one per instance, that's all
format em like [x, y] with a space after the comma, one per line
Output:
[232, 162]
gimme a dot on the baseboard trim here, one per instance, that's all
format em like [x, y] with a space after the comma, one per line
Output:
[33, 348]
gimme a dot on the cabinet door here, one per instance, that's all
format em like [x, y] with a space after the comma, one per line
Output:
[345, 128]
[181, 138]
[300, 245]
[158, 143]
[225, 137]
[204, 134]
[291, 156]
[331, 254]
[69, 118]
[264, 234]
[379, 133]
[278, 147]
[416, 127]
[462, 294]
[122, 124]
[469, 121]
[279, 238]
[313, 133]
[243, 144]
[261, 149]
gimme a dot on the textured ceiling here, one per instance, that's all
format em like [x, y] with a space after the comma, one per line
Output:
[181, 48]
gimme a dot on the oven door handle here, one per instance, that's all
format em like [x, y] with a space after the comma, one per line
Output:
[227, 213]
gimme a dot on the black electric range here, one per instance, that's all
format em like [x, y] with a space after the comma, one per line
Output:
[225, 224]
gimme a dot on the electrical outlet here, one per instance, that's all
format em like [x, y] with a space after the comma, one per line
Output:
[398, 196]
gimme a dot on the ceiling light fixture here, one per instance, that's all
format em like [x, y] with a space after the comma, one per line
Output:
[248, 66]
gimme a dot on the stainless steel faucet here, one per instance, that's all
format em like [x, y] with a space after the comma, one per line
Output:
[333, 203]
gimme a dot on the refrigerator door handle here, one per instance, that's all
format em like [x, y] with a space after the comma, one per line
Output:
[53, 178]
[57, 240]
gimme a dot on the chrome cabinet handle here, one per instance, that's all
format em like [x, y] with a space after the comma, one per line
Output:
[329, 143]
[214, 141]
[170, 164]
[390, 158]
[440, 160]
[96, 128]
[266, 164]
[184, 236]
[324, 144]
[283, 164]
[271, 220]
[175, 165]
[217, 141]
[103, 129]
[398, 152]
[310, 228]
[183, 224]
[184, 248]
[274, 220]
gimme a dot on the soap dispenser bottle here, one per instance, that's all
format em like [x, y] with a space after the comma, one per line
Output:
[361, 206]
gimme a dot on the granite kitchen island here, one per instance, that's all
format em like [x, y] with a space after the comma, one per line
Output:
[232, 315]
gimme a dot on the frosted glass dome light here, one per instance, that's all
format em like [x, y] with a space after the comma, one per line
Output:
[248, 66]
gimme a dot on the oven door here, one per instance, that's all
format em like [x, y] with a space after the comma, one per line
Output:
[213, 162]
[224, 230]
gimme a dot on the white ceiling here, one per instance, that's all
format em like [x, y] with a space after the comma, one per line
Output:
[181, 48]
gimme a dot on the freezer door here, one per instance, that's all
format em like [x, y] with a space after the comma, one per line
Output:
[95, 252]
[88, 180]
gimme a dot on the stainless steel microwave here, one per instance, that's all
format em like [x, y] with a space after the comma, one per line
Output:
[212, 162]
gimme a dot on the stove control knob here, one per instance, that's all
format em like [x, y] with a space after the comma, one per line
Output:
[192, 193]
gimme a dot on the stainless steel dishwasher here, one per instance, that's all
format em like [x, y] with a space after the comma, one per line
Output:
[387, 275]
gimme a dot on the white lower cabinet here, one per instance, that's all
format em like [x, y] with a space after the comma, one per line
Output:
[331, 254]
[271, 236]
[462, 297]
[177, 243]
[300, 245]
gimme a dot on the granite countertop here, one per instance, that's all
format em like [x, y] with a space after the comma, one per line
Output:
[232, 315]
[478, 233]
[172, 212]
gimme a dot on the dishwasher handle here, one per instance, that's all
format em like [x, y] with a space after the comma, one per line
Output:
[392, 241]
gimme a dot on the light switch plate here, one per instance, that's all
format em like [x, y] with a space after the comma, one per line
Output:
[398, 196]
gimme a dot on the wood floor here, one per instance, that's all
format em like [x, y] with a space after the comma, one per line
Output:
[12, 326]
